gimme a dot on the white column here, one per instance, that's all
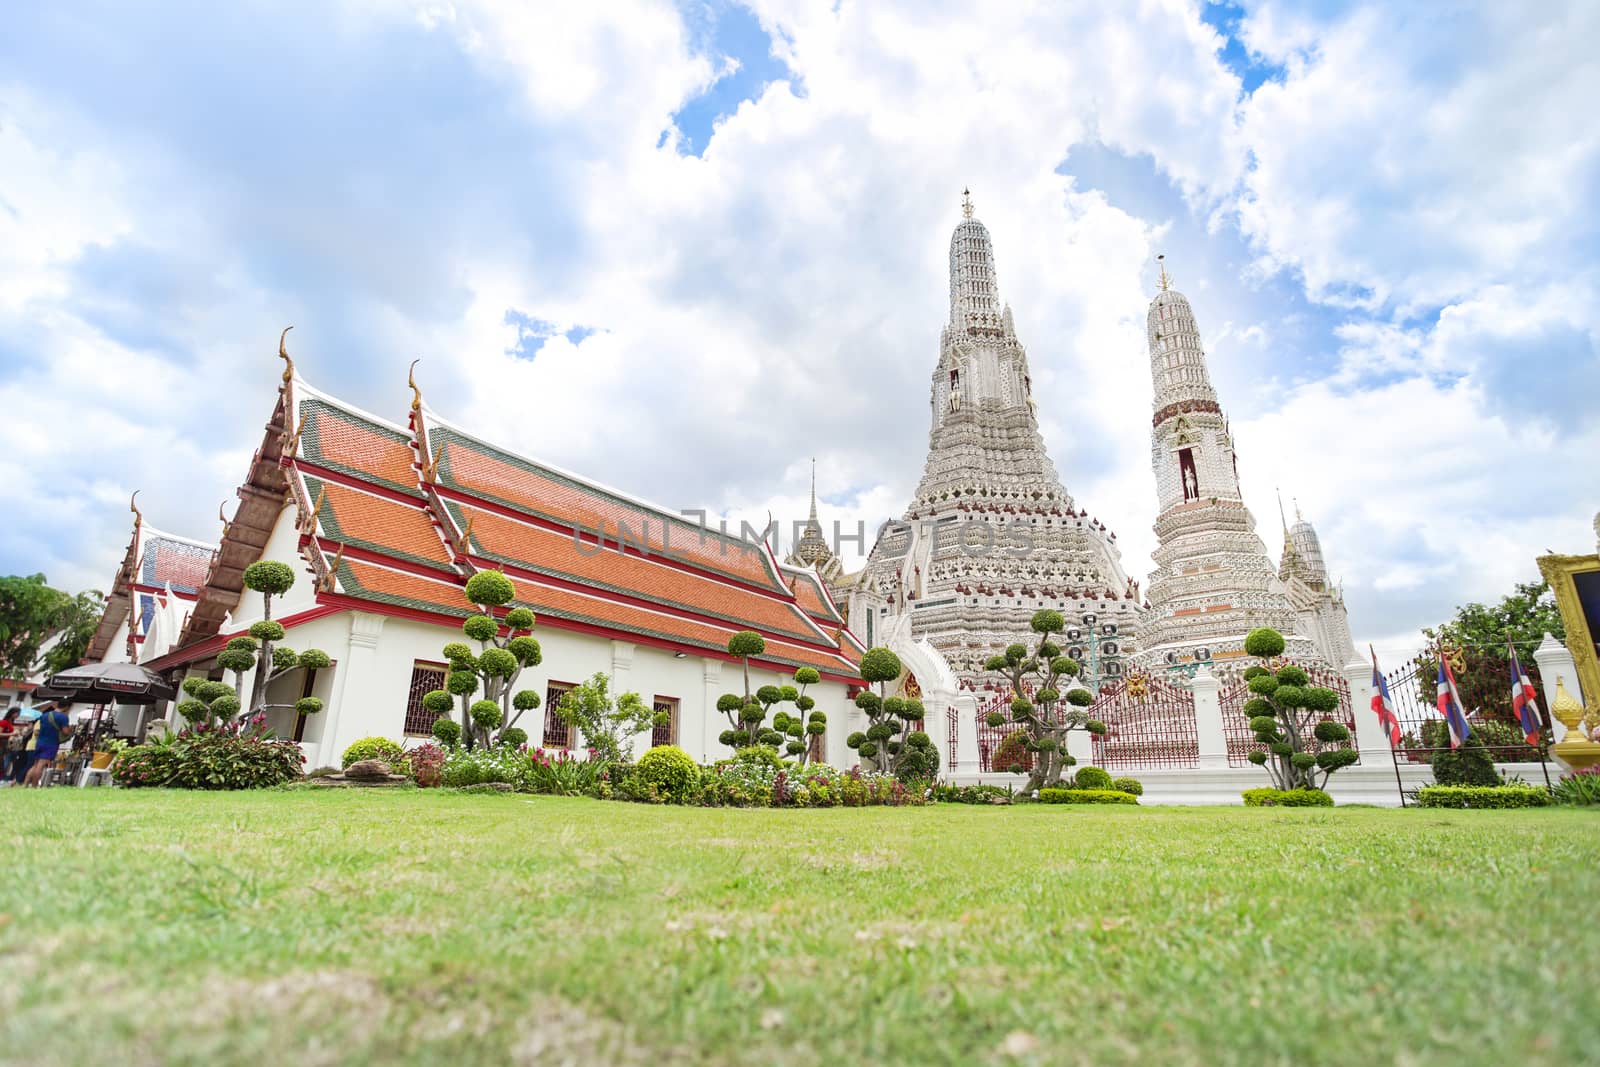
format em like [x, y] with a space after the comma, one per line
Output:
[1371, 741]
[622, 682]
[711, 720]
[936, 722]
[1208, 720]
[966, 733]
[1555, 661]
[359, 664]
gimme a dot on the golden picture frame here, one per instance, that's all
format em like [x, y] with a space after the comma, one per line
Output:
[1575, 580]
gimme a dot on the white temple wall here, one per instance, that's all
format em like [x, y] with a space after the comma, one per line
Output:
[366, 690]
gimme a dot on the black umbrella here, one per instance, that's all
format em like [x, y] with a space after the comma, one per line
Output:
[42, 693]
[103, 683]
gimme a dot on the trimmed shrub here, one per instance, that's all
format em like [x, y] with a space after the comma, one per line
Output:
[373, 748]
[671, 770]
[1085, 796]
[1127, 785]
[1092, 778]
[1287, 798]
[514, 737]
[1471, 764]
[448, 732]
[1476, 796]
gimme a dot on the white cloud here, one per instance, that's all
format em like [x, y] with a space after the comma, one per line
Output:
[781, 297]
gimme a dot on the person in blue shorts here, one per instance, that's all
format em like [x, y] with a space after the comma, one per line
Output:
[52, 726]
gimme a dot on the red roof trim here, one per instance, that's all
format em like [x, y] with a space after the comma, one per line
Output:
[350, 481]
[202, 649]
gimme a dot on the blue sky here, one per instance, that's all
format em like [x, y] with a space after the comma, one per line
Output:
[682, 248]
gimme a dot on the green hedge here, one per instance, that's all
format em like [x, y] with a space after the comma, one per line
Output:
[1287, 798]
[1482, 796]
[1086, 796]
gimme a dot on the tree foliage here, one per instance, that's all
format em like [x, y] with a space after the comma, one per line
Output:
[889, 744]
[608, 726]
[1049, 715]
[1290, 717]
[32, 612]
[505, 649]
[216, 703]
[1481, 632]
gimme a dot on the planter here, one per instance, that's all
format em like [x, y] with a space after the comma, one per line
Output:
[101, 760]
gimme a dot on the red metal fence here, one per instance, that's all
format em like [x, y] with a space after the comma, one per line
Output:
[1149, 723]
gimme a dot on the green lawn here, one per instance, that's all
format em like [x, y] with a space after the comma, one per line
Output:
[418, 927]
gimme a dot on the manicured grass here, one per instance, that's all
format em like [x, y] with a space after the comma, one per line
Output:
[418, 927]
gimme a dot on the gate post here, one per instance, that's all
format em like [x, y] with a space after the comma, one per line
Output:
[966, 756]
[1208, 731]
[1555, 661]
[1370, 740]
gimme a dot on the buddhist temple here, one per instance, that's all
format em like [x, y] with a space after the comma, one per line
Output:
[991, 535]
[1214, 581]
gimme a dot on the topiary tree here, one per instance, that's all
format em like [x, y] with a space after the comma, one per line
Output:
[256, 653]
[1049, 715]
[888, 744]
[505, 649]
[671, 770]
[1288, 714]
[608, 728]
[798, 729]
[746, 714]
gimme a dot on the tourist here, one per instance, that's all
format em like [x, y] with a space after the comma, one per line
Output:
[52, 726]
[11, 741]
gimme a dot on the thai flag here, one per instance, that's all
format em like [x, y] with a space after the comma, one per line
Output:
[1524, 700]
[1383, 704]
[1450, 704]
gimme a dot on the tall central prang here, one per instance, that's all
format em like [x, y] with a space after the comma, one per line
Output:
[991, 535]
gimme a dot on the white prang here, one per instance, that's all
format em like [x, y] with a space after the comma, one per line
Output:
[1214, 581]
[989, 485]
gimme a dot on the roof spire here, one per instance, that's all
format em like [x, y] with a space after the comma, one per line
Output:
[1297, 516]
[966, 203]
[1166, 279]
[283, 354]
[1281, 519]
[814, 491]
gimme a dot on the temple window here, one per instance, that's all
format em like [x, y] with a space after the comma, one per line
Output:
[666, 734]
[425, 677]
[557, 733]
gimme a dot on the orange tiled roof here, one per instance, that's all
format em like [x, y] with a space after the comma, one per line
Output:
[699, 600]
[344, 441]
[517, 544]
[481, 470]
[366, 520]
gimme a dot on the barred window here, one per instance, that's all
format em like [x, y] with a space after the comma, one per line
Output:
[425, 677]
[668, 734]
[557, 734]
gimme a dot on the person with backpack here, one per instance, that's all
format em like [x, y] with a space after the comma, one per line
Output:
[53, 725]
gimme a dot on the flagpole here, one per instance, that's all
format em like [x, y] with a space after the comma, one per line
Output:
[1544, 735]
[1394, 757]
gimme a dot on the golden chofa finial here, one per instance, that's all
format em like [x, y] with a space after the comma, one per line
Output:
[966, 203]
[411, 380]
[283, 354]
[133, 506]
[226, 525]
[1166, 279]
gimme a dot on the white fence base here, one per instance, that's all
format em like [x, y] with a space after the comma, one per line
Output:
[1366, 784]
